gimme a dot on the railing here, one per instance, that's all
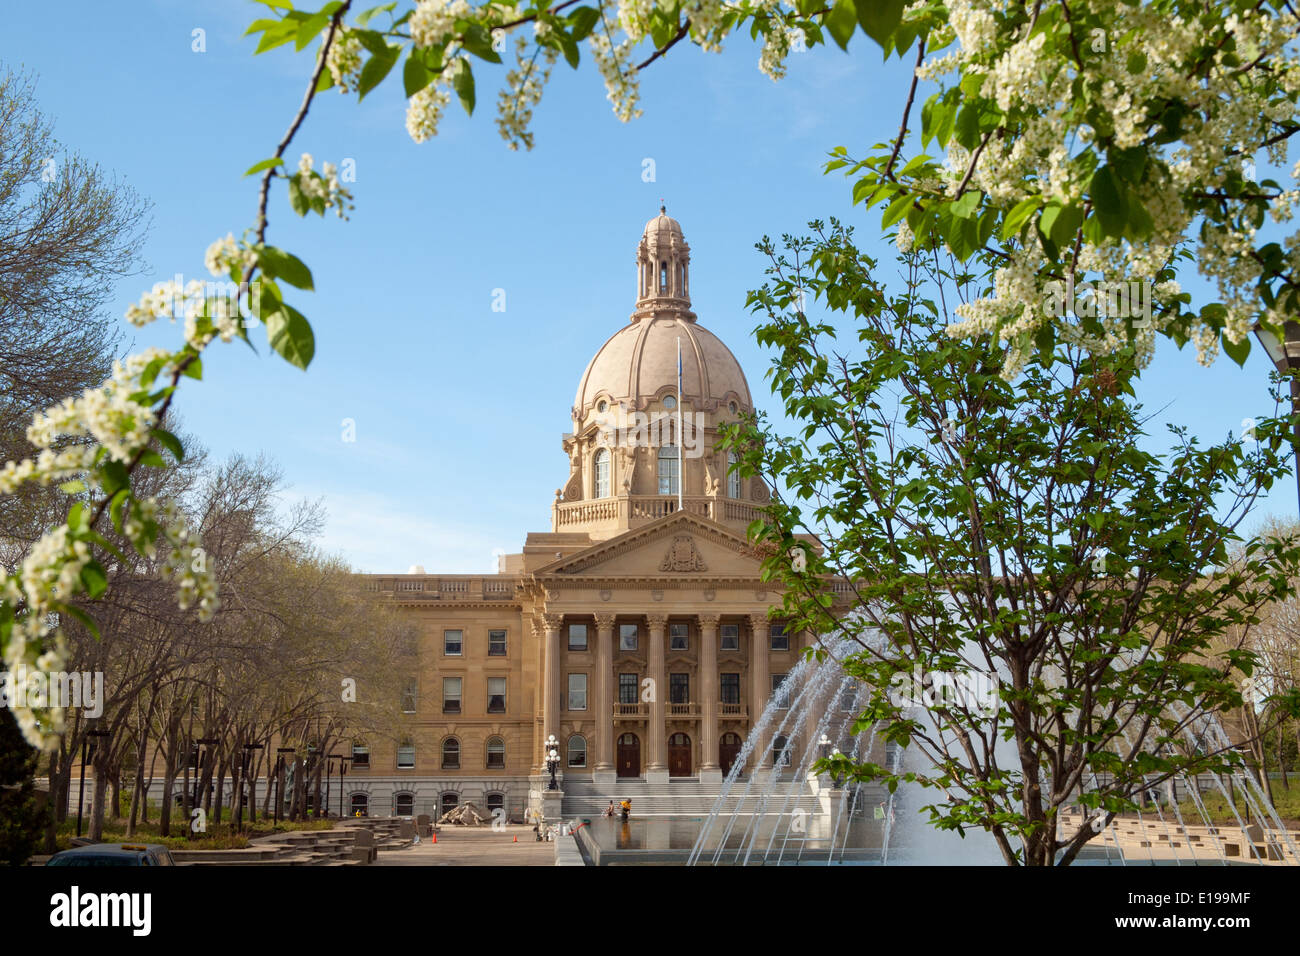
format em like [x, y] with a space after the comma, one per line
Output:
[684, 710]
[419, 587]
[626, 509]
[631, 710]
[731, 710]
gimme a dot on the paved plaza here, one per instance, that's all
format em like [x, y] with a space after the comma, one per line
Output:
[475, 846]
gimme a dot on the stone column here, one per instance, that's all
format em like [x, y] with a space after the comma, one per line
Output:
[760, 689]
[550, 683]
[710, 772]
[604, 773]
[656, 728]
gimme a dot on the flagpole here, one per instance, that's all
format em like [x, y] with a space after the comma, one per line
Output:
[681, 473]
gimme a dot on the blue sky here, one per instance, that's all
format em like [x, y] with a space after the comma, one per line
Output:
[459, 409]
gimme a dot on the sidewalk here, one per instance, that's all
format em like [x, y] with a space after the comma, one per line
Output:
[474, 846]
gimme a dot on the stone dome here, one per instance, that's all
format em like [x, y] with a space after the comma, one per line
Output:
[637, 365]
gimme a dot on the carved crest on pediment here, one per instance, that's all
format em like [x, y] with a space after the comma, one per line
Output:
[683, 556]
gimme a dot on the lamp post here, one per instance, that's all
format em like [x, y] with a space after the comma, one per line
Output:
[552, 760]
[1286, 356]
[343, 769]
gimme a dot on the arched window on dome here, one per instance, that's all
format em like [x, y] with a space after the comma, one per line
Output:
[663, 278]
[602, 473]
[668, 473]
[733, 476]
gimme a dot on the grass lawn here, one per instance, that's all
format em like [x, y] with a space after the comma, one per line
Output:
[1285, 801]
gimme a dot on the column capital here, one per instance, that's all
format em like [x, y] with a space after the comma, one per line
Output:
[657, 620]
[759, 621]
[709, 620]
[605, 622]
[552, 621]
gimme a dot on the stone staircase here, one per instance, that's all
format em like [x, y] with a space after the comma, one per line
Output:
[304, 847]
[687, 797]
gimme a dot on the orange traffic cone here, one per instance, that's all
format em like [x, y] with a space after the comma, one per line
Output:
[516, 839]
[435, 838]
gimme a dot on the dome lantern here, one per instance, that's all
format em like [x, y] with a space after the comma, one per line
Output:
[663, 270]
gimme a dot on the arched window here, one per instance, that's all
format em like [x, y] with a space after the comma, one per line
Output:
[733, 477]
[360, 804]
[403, 804]
[663, 277]
[495, 801]
[668, 473]
[781, 751]
[602, 473]
[496, 753]
[450, 801]
[577, 751]
[451, 754]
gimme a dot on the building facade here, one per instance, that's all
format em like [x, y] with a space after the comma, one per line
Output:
[635, 631]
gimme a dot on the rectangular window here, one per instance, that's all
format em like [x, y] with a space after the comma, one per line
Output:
[451, 695]
[627, 637]
[731, 688]
[677, 637]
[679, 688]
[406, 757]
[451, 643]
[409, 694]
[496, 695]
[668, 470]
[780, 640]
[577, 637]
[779, 693]
[360, 757]
[849, 698]
[627, 688]
[577, 692]
[496, 643]
[731, 637]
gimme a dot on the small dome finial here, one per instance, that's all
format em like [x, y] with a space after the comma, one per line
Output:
[662, 208]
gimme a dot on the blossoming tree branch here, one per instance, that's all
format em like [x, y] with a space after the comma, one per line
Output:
[1082, 139]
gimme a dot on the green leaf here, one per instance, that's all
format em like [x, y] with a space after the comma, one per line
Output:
[94, 579]
[464, 85]
[880, 18]
[1108, 200]
[285, 265]
[290, 334]
[87, 621]
[194, 369]
[965, 207]
[415, 75]
[152, 459]
[170, 442]
[1020, 213]
[264, 164]
[74, 487]
[376, 68]
[112, 478]
[896, 210]
[582, 21]
[116, 506]
[841, 22]
[1237, 351]
[298, 200]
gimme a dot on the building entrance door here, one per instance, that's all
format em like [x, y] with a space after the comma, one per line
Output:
[679, 755]
[629, 755]
[728, 750]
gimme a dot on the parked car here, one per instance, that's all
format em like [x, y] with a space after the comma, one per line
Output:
[114, 854]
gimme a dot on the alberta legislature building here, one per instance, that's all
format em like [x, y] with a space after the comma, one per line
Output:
[636, 631]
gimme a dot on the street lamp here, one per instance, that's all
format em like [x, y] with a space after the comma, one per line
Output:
[552, 760]
[1286, 356]
[343, 769]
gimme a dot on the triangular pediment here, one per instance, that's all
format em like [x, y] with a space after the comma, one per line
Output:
[680, 545]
